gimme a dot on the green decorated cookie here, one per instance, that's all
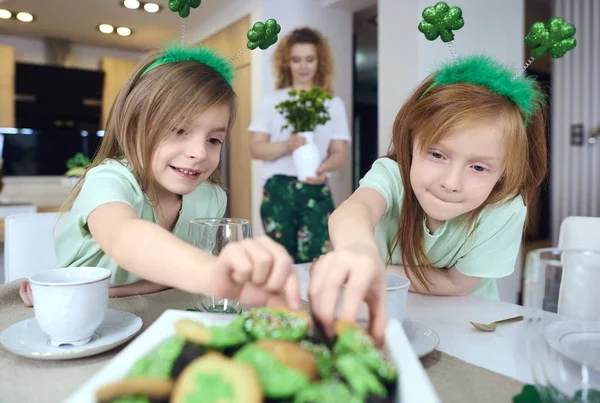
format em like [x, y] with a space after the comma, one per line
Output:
[326, 392]
[214, 378]
[353, 340]
[323, 356]
[283, 367]
[277, 323]
[361, 380]
[159, 362]
[217, 337]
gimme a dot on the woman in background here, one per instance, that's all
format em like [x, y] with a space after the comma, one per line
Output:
[295, 213]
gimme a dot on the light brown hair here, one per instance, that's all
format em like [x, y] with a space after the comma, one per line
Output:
[282, 57]
[427, 120]
[147, 110]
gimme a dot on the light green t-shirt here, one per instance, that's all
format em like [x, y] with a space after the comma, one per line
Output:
[112, 181]
[489, 252]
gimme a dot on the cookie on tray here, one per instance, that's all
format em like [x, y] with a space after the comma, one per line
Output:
[217, 337]
[214, 377]
[277, 323]
[283, 367]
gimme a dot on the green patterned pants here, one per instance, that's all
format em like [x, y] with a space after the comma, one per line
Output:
[295, 215]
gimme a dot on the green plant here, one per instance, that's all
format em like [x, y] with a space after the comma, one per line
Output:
[77, 165]
[304, 110]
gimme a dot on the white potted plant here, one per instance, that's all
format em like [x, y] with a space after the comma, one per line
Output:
[303, 112]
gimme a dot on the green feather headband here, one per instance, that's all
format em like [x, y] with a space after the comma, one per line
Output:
[487, 72]
[201, 54]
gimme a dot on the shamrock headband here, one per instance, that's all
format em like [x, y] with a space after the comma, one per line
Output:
[555, 38]
[261, 35]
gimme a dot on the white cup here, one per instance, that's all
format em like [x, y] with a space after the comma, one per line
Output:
[70, 303]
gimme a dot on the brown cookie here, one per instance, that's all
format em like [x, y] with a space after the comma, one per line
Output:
[153, 388]
[292, 355]
[214, 377]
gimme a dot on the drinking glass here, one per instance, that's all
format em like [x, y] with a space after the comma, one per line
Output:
[562, 325]
[212, 235]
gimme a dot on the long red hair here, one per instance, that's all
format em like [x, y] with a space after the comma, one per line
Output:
[426, 119]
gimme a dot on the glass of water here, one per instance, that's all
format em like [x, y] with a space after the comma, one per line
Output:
[563, 323]
[212, 235]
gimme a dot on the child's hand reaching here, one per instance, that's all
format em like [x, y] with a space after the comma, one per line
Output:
[256, 272]
[359, 269]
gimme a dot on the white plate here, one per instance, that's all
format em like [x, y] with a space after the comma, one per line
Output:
[414, 384]
[575, 340]
[28, 340]
[423, 339]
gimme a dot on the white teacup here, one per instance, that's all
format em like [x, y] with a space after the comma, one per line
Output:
[70, 303]
[396, 290]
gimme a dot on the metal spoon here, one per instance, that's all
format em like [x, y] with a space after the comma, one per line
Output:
[492, 326]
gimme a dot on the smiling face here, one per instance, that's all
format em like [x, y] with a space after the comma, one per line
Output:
[303, 64]
[457, 174]
[189, 155]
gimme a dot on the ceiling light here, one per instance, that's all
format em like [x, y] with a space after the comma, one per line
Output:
[151, 7]
[131, 4]
[5, 14]
[106, 28]
[24, 17]
[123, 31]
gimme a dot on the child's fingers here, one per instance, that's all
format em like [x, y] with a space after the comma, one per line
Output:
[354, 294]
[261, 258]
[318, 275]
[235, 257]
[283, 265]
[326, 282]
[292, 291]
[25, 293]
[377, 316]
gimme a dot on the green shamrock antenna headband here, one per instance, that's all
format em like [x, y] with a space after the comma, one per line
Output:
[261, 35]
[440, 20]
[555, 38]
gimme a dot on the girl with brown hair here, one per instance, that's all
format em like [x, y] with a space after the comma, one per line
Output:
[294, 212]
[157, 169]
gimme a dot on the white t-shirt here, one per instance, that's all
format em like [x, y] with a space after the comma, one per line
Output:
[268, 120]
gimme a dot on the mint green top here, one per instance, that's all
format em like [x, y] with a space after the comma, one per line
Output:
[489, 252]
[112, 181]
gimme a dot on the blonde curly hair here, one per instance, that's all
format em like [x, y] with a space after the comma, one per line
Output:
[281, 59]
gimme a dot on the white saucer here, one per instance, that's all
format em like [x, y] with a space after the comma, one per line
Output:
[27, 339]
[575, 340]
[423, 339]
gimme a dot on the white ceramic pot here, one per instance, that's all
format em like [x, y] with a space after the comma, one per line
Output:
[70, 303]
[306, 158]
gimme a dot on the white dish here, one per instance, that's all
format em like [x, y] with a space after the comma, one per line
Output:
[28, 340]
[414, 384]
[423, 339]
[576, 340]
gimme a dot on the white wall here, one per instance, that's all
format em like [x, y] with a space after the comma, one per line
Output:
[31, 50]
[334, 23]
[406, 57]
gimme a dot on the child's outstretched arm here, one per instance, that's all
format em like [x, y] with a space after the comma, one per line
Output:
[443, 282]
[254, 271]
[148, 250]
[354, 262]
